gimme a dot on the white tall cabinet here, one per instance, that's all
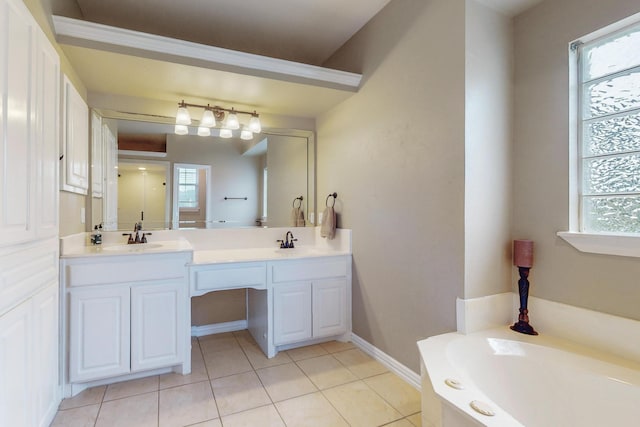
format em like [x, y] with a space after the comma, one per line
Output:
[29, 135]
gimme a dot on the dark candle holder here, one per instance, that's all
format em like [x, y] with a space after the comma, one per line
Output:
[522, 325]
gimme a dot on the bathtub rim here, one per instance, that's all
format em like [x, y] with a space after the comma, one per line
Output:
[436, 367]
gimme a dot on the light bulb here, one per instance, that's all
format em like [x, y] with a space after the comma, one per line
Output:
[246, 134]
[254, 124]
[204, 131]
[181, 130]
[208, 120]
[182, 116]
[232, 121]
[225, 133]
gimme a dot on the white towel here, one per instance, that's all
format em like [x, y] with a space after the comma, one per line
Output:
[328, 226]
[297, 217]
[300, 218]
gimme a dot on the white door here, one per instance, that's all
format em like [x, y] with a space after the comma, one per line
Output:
[157, 325]
[99, 333]
[329, 307]
[97, 153]
[291, 312]
[15, 366]
[46, 392]
[110, 189]
[17, 74]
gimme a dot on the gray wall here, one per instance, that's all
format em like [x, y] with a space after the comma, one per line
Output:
[394, 153]
[488, 141]
[541, 162]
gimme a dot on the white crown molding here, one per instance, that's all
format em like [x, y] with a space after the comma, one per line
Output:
[104, 37]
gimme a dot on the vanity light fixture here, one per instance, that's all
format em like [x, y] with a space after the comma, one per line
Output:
[181, 130]
[182, 116]
[214, 115]
[246, 133]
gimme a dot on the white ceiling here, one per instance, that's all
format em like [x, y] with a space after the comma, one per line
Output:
[306, 31]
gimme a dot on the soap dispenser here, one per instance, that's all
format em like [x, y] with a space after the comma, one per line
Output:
[96, 237]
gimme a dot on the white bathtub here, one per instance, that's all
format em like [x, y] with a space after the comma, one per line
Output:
[526, 381]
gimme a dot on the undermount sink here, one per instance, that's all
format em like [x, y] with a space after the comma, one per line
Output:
[136, 247]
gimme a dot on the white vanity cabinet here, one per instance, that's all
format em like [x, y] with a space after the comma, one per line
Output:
[126, 314]
[311, 299]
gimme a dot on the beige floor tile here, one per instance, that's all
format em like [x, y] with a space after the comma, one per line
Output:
[265, 416]
[285, 381]
[400, 423]
[311, 410]
[131, 388]
[87, 397]
[187, 404]
[306, 352]
[404, 398]
[244, 338]
[84, 416]
[326, 371]
[134, 411]
[416, 419]
[259, 360]
[198, 373]
[336, 346]
[210, 423]
[360, 405]
[359, 363]
[226, 362]
[218, 342]
[238, 393]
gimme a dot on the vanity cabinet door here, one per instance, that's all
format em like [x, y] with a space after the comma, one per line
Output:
[99, 333]
[329, 307]
[291, 312]
[157, 325]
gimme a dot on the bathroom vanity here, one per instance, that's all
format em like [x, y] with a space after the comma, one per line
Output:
[127, 308]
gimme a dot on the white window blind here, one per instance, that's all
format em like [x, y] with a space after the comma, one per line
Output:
[188, 188]
[609, 132]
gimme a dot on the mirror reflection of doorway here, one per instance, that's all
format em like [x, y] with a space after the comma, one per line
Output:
[190, 196]
[142, 194]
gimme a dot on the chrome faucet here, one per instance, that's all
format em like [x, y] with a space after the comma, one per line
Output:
[287, 244]
[134, 240]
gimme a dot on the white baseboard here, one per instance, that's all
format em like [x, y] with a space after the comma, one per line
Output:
[392, 364]
[218, 328]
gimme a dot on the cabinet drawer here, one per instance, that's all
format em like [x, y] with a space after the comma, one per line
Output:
[123, 271]
[309, 269]
[231, 276]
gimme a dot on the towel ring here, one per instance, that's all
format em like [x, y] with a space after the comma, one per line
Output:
[293, 204]
[334, 195]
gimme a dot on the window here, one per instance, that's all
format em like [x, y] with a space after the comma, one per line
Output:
[608, 119]
[188, 189]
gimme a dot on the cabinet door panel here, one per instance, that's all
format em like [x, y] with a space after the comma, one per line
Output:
[75, 160]
[157, 325]
[99, 333]
[46, 391]
[329, 307]
[17, 69]
[47, 138]
[15, 366]
[291, 312]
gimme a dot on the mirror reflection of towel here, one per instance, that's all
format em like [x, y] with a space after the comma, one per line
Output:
[297, 217]
[328, 226]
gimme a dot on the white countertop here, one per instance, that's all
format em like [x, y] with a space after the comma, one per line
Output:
[160, 247]
[216, 256]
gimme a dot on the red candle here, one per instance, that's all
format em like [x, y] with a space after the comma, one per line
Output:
[523, 253]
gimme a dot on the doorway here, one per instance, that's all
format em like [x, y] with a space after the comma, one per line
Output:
[191, 201]
[142, 194]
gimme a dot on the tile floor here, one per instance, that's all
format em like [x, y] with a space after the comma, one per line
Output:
[233, 384]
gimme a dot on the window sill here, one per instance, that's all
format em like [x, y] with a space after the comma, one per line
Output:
[606, 244]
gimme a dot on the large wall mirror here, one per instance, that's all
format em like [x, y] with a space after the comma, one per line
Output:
[205, 182]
